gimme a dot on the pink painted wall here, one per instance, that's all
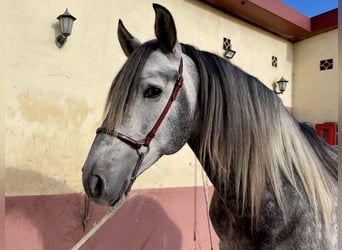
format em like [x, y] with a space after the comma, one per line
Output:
[150, 219]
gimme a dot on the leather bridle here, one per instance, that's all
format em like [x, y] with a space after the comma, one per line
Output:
[142, 146]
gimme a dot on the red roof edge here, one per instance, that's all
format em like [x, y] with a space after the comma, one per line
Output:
[284, 11]
[325, 21]
[321, 23]
[278, 18]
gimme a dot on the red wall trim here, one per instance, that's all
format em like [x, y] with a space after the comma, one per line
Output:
[149, 219]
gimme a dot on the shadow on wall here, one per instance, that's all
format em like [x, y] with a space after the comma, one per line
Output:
[20, 181]
[141, 223]
[41, 221]
[54, 222]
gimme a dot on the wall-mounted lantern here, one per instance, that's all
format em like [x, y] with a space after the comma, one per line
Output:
[227, 46]
[280, 85]
[66, 21]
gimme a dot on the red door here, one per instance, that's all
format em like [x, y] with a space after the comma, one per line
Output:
[328, 131]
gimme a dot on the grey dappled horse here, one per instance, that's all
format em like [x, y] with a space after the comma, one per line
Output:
[275, 181]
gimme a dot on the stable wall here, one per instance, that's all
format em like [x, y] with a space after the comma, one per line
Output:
[315, 94]
[55, 97]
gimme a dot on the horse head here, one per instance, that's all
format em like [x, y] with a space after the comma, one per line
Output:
[149, 112]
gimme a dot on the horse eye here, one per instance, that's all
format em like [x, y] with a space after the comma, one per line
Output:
[152, 92]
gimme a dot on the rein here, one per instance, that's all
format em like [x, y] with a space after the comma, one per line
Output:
[142, 146]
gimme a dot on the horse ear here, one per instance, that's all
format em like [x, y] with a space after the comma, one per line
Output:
[128, 42]
[165, 29]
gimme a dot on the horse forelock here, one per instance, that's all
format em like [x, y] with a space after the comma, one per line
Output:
[249, 140]
[125, 83]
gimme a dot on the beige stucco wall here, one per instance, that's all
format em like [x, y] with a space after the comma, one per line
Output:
[54, 98]
[315, 96]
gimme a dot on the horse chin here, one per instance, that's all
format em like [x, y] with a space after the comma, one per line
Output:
[124, 191]
[101, 201]
[109, 203]
[105, 201]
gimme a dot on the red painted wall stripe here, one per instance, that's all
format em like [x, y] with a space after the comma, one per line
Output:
[150, 219]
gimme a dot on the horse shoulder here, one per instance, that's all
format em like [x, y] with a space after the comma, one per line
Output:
[296, 229]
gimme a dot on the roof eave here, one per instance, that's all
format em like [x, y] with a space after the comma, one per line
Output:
[278, 18]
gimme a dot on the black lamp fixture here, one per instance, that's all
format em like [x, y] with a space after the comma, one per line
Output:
[66, 21]
[281, 85]
[227, 46]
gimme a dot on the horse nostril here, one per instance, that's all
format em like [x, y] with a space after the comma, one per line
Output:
[96, 185]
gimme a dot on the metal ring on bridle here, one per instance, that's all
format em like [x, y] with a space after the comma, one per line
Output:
[143, 150]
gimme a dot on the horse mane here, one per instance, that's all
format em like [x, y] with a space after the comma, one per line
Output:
[325, 153]
[250, 140]
[247, 136]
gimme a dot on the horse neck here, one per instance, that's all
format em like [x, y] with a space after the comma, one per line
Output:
[284, 152]
[194, 142]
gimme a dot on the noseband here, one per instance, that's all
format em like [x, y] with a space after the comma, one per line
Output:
[142, 146]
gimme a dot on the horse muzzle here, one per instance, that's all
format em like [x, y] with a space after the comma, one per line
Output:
[99, 188]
